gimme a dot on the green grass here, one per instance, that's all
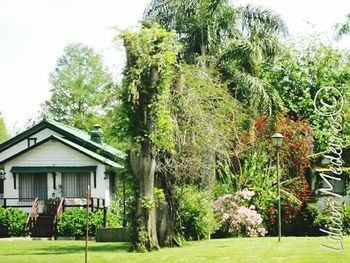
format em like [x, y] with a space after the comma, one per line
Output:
[242, 250]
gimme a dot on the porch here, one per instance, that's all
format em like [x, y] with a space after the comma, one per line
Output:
[43, 215]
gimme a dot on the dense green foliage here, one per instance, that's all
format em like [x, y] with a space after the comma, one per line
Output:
[196, 213]
[3, 132]
[234, 39]
[12, 222]
[299, 73]
[73, 222]
[81, 88]
[145, 100]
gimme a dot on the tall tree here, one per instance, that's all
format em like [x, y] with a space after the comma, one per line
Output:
[207, 120]
[3, 132]
[234, 39]
[144, 118]
[80, 88]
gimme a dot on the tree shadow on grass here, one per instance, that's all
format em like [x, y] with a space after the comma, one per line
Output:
[71, 249]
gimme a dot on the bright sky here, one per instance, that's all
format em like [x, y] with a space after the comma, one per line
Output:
[34, 32]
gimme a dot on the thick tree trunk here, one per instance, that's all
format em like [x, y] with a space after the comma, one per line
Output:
[165, 216]
[143, 166]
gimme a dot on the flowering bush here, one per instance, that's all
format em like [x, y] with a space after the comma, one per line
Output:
[236, 216]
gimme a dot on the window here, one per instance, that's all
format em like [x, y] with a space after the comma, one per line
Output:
[31, 185]
[31, 141]
[75, 184]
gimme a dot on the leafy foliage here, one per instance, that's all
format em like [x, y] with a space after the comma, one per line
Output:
[73, 222]
[342, 29]
[81, 88]
[143, 101]
[13, 222]
[206, 121]
[234, 39]
[196, 214]
[3, 132]
[299, 73]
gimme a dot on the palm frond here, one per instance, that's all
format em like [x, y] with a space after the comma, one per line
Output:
[342, 29]
[261, 19]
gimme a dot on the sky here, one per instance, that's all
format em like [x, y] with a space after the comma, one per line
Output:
[33, 34]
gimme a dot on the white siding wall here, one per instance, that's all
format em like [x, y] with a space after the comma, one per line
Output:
[53, 153]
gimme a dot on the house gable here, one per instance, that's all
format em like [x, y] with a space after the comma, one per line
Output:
[56, 148]
[74, 135]
[75, 138]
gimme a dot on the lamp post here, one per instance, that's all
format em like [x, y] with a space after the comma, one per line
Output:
[277, 140]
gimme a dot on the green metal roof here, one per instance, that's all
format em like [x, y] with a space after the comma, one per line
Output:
[86, 137]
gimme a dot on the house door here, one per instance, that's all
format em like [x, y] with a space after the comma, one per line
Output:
[75, 184]
[33, 185]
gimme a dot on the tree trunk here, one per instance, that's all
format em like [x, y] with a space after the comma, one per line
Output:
[143, 166]
[165, 214]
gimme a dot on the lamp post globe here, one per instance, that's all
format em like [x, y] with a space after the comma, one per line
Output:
[277, 139]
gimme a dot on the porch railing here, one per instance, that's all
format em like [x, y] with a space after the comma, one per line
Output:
[59, 211]
[94, 204]
[34, 213]
[17, 202]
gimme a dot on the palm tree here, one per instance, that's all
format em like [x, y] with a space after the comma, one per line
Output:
[233, 39]
[342, 29]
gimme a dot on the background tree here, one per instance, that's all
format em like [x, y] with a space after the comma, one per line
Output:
[3, 132]
[299, 73]
[234, 39]
[81, 88]
[144, 118]
[207, 120]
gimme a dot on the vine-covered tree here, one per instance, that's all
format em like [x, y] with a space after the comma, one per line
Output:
[81, 88]
[144, 118]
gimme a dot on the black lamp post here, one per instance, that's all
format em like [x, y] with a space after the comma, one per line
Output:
[277, 140]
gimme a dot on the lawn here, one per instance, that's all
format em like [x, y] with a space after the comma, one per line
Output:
[291, 249]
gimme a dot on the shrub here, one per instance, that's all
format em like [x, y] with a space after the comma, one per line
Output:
[114, 215]
[346, 219]
[13, 222]
[236, 216]
[196, 214]
[73, 222]
[3, 222]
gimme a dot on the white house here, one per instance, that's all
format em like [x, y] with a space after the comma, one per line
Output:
[53, 160]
